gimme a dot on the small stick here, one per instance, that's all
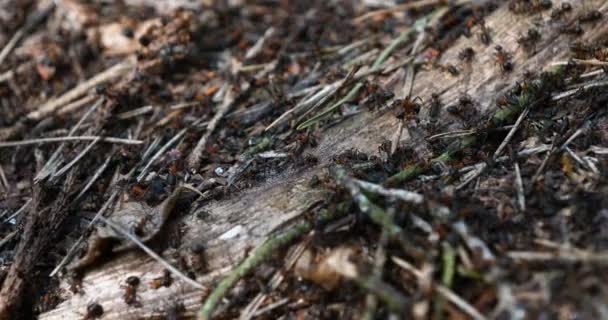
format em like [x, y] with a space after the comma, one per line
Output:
[386, 53]
[51, 106]
[45, 171]
[519, 185]
[69, 138]
[134, 112]
[448, 294]
[72, 252]
[153, 254]
[3, 179]
[568, 93]
[260, 254]
[8, 238]
[194, 159]
[23, 207]
[401, 7]
[400, 194]
[160, 152]
[257, 47]
[96, 175]
[33, 20]
[498, 150]
[511, 133]
[71, 107]
[8, 75]
[76, 159]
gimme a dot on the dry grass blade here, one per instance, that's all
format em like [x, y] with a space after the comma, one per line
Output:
[53, 105]
[195, 156]
[154, 255]
[8, 144]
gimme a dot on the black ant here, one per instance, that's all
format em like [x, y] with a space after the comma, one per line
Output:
[559, 12]
[526, 6]
[484, 37]
[376, 96]
[466, 54]
[528, 42]
[94, 311]
[464, 109]
[406, 108]
[573, 29]
[130, 294]
[435, 108]
[503, 59]
[451, 69]
[590, 16]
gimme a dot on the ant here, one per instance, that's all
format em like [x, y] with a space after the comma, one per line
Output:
[574, 29]
[525, 6]
[130, 294]
[590, 16]
[528, 42]
[406, 108]
[94, 311]
[451, 69]
[377, 96]
[435, 107]
[589, 50]
[485, 37]
[503, 59]
[464, 109]
[466, 54]
[556, 14]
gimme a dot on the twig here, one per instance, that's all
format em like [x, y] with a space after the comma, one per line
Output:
[371, 302]
[8, 75]
[3, 179]
[160, 152]
[51, 163]
[194, 159]
[153, 254]
[69, 138]
[8, 238]
[260, 254]
[401, 7]
[257, 47]
[355, 90]
[400, 194]
[67, 167]
[571, 92]
[451, 134]
[18, 212]
[555, 149]
[96, 175]
[51, 106]
[72, 252]
[511, 133]
[443, 291]
[134, 112]
[33, 20]
[499, 149]
[73, 106]
[270, 307]
[519, 186]
[562, 255]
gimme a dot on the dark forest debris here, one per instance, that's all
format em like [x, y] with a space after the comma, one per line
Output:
[499, 180]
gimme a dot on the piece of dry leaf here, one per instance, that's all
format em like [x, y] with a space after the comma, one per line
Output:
[329, 269]
[138, 218]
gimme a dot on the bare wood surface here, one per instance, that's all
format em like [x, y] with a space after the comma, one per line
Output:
[256, 212]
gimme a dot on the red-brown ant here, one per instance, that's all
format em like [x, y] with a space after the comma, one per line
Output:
[503, 59]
